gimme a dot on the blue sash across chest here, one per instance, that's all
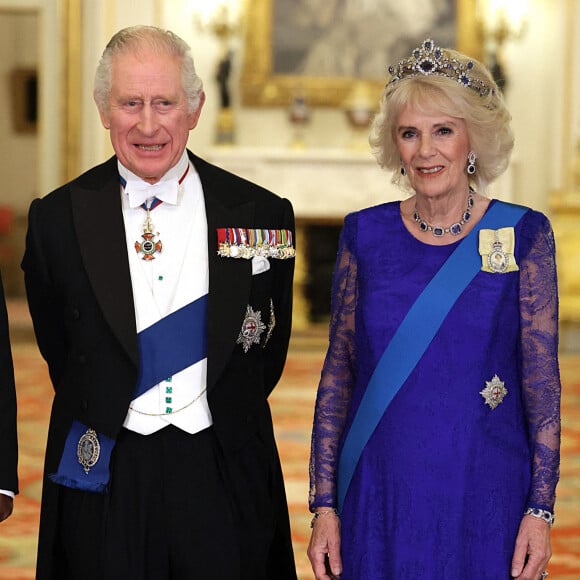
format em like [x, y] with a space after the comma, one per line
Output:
[167, 347]
[407, 346]
[172, 344]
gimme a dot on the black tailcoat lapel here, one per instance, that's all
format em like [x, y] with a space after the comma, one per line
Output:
[100, 230]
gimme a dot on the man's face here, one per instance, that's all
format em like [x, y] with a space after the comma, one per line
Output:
[147, 114]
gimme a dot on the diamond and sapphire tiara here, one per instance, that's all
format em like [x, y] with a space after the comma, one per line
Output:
[429, 59]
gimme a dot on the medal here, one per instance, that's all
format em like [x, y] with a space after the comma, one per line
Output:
[245, 243]
[271, 323]
[252, 329]
[88, 449]
[149, 246]
[494, 392]
[168, 190]
[496, 248]
[497, 259]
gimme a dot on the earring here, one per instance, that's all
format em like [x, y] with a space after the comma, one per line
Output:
[403, 171]
[471, 157]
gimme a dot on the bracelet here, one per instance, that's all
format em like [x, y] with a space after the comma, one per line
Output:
[541, 514]
[323, 513]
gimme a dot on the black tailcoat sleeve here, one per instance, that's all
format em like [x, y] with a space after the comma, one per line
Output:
[8, 438]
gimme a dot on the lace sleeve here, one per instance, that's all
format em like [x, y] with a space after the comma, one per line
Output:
[539, 352]
[337, 379]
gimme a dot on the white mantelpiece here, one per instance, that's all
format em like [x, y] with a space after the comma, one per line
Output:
[320, 183]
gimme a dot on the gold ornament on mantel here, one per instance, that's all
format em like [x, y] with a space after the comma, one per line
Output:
[224, 23]
[299, 117]
[359, 107]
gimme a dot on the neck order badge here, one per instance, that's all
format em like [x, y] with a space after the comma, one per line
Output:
[149, 246]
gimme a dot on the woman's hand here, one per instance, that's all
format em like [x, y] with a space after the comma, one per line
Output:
[324, 547]
[533, 543]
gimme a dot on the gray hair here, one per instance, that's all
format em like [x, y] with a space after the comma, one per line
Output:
[161, 41]
[486, 117]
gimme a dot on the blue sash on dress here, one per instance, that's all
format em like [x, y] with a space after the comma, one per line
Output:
[167, 347]
[408, 345]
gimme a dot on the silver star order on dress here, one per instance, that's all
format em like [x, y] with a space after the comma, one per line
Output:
[494, 392]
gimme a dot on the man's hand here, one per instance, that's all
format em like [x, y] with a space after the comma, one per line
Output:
[6, 506]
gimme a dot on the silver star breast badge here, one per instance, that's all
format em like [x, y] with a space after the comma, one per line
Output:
[494, 392]
[252, 329]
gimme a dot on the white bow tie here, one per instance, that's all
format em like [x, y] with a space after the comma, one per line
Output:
[139, 192]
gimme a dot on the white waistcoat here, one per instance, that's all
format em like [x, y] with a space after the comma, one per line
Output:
[176, 277]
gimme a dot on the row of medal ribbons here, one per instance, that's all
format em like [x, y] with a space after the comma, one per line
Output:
[249, 242]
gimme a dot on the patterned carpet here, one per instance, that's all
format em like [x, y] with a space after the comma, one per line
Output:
[292, 406]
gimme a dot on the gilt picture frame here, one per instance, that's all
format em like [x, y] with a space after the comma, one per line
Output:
[319, 49]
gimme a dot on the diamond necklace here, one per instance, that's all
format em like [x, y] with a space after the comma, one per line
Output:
[454, 229]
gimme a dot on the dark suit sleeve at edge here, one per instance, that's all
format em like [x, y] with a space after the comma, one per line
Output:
[8, 437]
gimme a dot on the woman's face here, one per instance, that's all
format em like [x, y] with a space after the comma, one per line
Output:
[433, 149]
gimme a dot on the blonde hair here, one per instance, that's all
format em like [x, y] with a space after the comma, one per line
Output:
[486, 118]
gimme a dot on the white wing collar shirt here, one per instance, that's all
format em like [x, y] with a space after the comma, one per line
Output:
[176, 276]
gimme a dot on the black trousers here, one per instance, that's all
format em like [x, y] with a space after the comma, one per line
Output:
[168, 515]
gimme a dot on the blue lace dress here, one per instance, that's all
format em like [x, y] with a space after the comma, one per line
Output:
[441, 486]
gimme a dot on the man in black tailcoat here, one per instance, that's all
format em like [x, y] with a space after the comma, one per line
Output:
[160, 288]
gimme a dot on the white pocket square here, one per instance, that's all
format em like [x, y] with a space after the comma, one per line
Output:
[259, 265]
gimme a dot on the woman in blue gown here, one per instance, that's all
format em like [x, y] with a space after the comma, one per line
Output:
[435, 448]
